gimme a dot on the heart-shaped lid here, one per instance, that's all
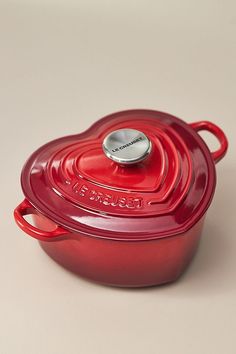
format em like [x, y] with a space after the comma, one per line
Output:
[137, 174]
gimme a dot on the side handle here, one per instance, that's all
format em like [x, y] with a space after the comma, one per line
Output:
[25, 208]
[218, 133]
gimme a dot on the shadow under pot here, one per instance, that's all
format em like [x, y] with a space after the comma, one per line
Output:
[124, 202]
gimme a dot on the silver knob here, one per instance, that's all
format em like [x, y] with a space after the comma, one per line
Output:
[127, 146]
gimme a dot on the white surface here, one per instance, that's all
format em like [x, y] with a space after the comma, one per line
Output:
[63, 65]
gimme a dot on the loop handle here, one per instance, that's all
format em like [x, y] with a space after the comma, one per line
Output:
[218, 133]
[25, 208]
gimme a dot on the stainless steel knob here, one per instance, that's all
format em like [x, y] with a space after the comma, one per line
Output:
[127, 146]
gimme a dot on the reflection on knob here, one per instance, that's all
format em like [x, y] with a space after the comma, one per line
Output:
[127, 146]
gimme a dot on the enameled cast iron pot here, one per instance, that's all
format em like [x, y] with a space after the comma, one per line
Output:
[124, 202]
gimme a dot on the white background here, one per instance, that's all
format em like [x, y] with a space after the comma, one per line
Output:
[63, 65]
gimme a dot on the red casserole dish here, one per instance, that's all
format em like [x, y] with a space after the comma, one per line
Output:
[124, 202]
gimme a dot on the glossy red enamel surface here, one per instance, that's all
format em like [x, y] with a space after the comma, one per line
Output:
[74, 183]
[121, 263]
[133, 226]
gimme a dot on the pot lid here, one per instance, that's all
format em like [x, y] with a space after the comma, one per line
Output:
[137, 174]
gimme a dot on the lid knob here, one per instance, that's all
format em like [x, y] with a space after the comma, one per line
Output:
[127, 146]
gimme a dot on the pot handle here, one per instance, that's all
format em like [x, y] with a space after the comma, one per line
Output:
[218, 133]
[25, 208]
